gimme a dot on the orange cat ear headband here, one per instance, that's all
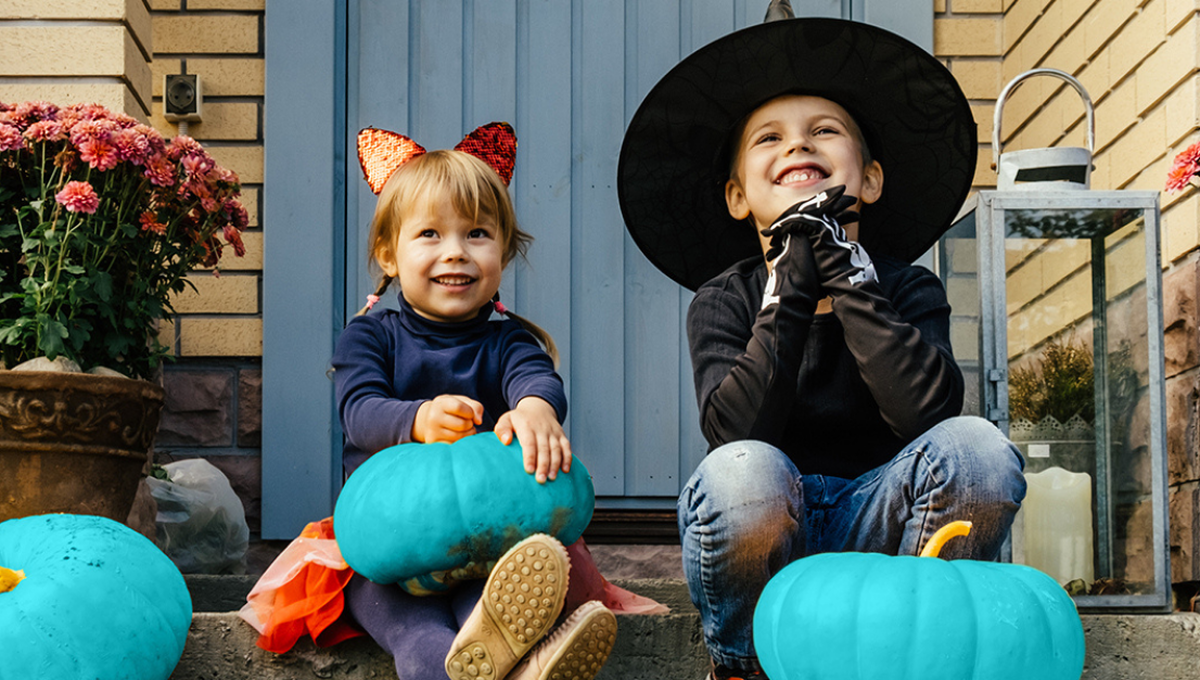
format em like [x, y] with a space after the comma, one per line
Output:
[381, 152]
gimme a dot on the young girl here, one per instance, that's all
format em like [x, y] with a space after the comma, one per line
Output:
[440, 369]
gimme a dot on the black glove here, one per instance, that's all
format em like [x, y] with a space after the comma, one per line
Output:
[840, 261]
[826, 211]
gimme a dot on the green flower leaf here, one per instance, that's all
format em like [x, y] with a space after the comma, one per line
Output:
[102, 284]
[53, 334]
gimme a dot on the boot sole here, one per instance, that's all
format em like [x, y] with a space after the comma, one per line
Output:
[590, 632]
[522, 598]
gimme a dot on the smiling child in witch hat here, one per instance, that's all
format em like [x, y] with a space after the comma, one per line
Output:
[789, 173]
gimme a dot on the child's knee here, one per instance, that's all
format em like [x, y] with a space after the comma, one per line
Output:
[971, 454]
[748, 484]
[745, 469]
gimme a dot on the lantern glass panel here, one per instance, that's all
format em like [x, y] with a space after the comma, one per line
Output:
[958, 264]
[1078, 394]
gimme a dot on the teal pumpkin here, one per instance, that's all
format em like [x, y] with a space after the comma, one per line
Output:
[424, 515]
[857, 616]
[86, 597]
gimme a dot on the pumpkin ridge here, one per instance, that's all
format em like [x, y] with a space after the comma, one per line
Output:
[1037, 596]
[969, 606]
[51, 636]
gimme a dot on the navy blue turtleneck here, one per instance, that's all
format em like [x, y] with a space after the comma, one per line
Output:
[387, 364]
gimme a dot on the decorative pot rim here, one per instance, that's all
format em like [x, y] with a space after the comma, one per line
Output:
[79, 412]
[99, 384]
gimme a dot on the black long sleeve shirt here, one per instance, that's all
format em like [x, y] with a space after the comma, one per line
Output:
[868, 378]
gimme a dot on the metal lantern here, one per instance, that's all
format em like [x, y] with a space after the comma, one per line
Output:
[1057, 324]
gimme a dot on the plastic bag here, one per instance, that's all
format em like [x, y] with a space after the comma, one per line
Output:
[201, 524]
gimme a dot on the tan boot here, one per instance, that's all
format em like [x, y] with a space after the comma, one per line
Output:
[576, 650]
[522, 598]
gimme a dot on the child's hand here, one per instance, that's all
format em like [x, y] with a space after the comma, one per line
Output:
[447, 418]
[543, 443]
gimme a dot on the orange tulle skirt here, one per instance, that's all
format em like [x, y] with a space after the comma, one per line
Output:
[301, 592]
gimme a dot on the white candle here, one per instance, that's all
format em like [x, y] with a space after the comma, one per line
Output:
[1056, 519]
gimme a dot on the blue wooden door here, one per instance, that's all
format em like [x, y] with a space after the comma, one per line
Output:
[568, 75]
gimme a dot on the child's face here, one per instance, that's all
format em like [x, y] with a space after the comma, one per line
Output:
[791, 148]
[447, 265]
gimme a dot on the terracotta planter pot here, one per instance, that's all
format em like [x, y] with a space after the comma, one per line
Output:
[71, 442]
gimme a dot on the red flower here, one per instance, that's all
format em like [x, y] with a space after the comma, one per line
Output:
[1186, 166]
[1179, 177]
[149, 222]
[78, 197]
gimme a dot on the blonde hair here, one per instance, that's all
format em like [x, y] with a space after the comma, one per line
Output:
[476, 192]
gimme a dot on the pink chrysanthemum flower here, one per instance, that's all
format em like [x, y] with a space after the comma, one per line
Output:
[160, 171]
[28, 113]
[226, 175]
[149, 222]
[153, 139]
[10, 138]
[99, 154]
[1185, 166]
[78, 197]
[45, 131]
[1179, 177]
[182, 145]
[123, 120]
[234, 238]
[131, 146]
[237, 214]
[5, 107]
[72, 114]
[86, 130]
[197, 166]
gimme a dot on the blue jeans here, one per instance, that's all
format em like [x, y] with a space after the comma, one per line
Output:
[747, 512]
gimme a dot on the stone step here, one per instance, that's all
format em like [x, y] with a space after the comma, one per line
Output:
[221, 646]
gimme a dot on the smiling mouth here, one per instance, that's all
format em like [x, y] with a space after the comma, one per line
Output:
[805, 174]
[453, 280]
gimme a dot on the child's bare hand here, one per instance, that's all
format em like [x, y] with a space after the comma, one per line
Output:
[447, 418]
[544, 445]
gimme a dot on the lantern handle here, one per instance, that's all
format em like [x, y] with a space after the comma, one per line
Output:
[1062, 75]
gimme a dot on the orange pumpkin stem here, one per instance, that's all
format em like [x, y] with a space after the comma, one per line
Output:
[9, 579]
[939, 538]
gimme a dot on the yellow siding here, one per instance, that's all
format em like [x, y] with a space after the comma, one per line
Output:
[207, 33]
[219, 337]
[227, 294]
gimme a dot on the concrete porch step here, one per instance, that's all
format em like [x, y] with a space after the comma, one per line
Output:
[221, 646]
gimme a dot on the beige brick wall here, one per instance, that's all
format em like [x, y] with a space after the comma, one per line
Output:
[221, 42]
[968, 36]
[72, 51]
